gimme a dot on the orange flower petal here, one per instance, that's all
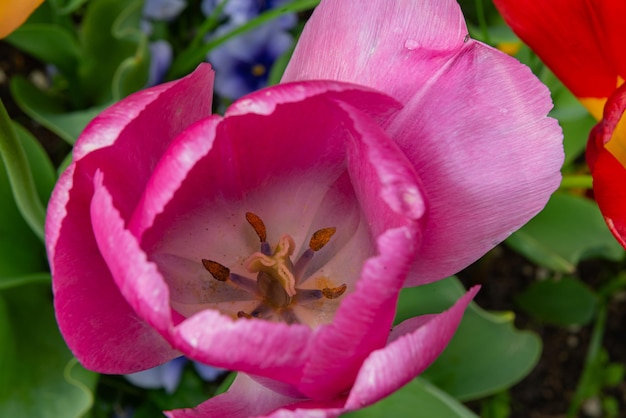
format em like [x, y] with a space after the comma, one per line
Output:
[15, 12]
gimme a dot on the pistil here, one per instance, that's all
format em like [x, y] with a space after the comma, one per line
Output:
[276, 276]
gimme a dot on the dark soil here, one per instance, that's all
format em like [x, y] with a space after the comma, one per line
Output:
[548, 391]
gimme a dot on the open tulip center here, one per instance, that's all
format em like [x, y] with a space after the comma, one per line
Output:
[277, 276]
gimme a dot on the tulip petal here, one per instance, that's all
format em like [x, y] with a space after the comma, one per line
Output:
[275, 118]
[389, 195]
[378, 43]
[103, 331]
[486, 153]
[124, 142]
[247, 398]
[472, 118]
[138, 280]
[609, 173]
[581, 41]
[127, 139]
[409, 352]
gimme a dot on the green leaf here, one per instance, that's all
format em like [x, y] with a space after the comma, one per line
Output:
[20, 177]
[418, 399]
[40, 378]
[71, 6]
[50, 112]
[104, 50]
[132, 73]
[486, 355]
[49, 43]
[8, 282]
[40, 165]
[562, 302]
[568, 230]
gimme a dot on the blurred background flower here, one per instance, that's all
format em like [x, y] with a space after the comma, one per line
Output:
[167, 376]
[15, 12]
[243, 64]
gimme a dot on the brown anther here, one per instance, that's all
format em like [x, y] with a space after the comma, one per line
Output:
[321, 238]
[257, 224]
[335, 292]
[218, 271]
[242, 314]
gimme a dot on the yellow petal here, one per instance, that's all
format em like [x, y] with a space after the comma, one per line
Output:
[15, 12]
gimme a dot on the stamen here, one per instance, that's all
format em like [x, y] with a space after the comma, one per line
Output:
[308, 295]
[245, 283]
[334, 292]
[258, 225]
[301, 264]
[321, 237]
[289, 316]
[262, 311]
[242, 314]
[218, 271]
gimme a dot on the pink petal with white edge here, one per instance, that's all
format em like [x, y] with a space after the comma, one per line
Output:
[407, 355]
[138, 280]
[247, 398]
[390, 197]
[252, 346]
[99, 326]
[486, 153]
[127, 140]
[291, 188]
[474, 123]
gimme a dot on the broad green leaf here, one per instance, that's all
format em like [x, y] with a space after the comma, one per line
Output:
[8, 282]
[562, 302]
[19, 178]
[21, 252]
[50, 112]
[40, 165]
[71, 6]
[486, 355]
[103, 50]
[40, 377]
[568, 230]
[49, 43]
[418, 399]
[132, 74]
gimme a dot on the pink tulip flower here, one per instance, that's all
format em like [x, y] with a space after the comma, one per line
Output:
[274, 240]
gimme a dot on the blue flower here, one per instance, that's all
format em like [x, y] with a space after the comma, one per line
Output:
[242, 64]
[160, 61]
[239, 12]
[164, 10]
[167, 376]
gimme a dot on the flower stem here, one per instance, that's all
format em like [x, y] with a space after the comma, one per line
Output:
[482, 21]
[591, 361]
[576, 181]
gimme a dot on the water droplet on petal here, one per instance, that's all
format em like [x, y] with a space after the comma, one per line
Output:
[411, 44]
